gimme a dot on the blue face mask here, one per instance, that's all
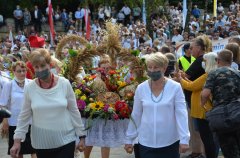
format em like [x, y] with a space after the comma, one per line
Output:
[155, 75]
[43, 75]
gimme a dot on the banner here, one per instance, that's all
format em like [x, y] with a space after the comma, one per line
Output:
[87, 22]
[50, 19]
[215, 8]
[184, 13]
[144, 13]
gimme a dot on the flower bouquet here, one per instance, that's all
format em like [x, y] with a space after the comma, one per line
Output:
[106, 102]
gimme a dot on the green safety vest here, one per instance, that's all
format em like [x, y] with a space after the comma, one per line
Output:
[185, 63]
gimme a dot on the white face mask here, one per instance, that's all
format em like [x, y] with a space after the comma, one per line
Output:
[54, 71]
[203, 65]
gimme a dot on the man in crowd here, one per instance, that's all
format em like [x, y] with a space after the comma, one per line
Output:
[18, 18]
[223, 87]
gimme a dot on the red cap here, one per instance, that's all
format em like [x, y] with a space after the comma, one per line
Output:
[36, 42]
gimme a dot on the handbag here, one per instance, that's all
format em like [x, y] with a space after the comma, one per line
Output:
[225, 118]
[4, 113]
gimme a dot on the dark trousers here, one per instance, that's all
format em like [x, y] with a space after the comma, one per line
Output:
[38, 25]
[230, 144]
[171, 151]
[211, 149]
[127, 20]
[136, 150]
[18, 25]
[66, 151]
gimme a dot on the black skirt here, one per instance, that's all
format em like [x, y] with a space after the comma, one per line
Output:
[26, 146]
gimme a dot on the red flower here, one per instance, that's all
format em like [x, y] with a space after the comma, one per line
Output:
[119, 104]
[115, 116]
[112, 72]
[125, 112]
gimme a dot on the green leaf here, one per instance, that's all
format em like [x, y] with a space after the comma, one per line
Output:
[135, 52]
[72, 53]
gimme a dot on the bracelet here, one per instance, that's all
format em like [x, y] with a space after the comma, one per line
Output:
[83, 136]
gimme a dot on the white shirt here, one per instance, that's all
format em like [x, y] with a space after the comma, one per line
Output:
[15, 93]
[220, 8]
[159, 124]
[36, 14]
[3, 80]
[56, 120]
[79, 14]
[1, 18]
[21, 38]
[177, 38]
[126, 10]
[232, 7]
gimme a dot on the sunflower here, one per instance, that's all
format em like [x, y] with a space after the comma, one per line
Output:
[97, 106]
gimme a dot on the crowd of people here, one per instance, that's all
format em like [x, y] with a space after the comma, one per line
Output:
[169, 107]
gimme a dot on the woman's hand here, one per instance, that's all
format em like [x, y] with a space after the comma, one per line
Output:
[183, 148]
[14, 151]
[128, 148]
[5, 127]
[81, 145]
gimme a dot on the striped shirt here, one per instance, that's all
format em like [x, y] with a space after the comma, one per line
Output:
[56, 120]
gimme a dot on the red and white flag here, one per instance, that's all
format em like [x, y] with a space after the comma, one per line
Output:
[50, 19]
[87, 23]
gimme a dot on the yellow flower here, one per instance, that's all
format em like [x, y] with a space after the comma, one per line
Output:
[92, 105]
[122, 84]
[77, 93]
[101, 104]
[83, 97]
[97, 106]
[119, 83]
[83, 81]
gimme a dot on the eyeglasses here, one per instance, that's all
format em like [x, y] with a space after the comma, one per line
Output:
[21, 71]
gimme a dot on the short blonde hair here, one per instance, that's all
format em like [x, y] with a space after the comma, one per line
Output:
[18, 63]
[157, 58]
[37, 54]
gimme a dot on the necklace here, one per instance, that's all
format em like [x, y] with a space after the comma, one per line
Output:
[157, 101]
[20, 84]
[51, 84]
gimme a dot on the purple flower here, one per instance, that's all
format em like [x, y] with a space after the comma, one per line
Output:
[81, 104]
[105, 108]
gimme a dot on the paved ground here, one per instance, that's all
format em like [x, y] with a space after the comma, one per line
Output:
[115, 152]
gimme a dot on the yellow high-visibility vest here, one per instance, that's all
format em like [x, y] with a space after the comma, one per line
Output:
[185, 63]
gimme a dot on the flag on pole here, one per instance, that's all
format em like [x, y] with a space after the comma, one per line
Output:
[184, 13]
[50, 19]
[144, 13]
[10, 37]
[215, 8]
[87, 22]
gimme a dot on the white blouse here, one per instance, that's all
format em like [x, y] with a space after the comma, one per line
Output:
[56, 120]
[16, 95]
[159, 124]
